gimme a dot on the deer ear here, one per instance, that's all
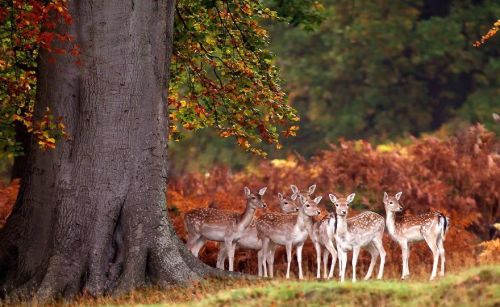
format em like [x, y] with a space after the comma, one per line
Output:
[398, 195]
[386, 197]
[496, 117]
[302, 199]
[262, 191]
[280, 196]
[294, 188]
[350, 198]
[294, 196]
[318, 199]
[247, 191]
[333, 199]
[311, 189]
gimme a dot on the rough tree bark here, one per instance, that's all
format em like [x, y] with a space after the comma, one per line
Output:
[91, 214]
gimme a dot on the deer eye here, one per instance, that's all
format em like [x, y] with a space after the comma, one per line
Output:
[391, 203]
[286, 203]
[253, 197]
[308, 205]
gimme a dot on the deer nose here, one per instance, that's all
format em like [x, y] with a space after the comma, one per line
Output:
[343, 212]
[264, 205]
[400, 209]
[296, 209]
[318, 212]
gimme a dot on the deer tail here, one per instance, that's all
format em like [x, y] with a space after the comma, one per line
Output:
[444, 223]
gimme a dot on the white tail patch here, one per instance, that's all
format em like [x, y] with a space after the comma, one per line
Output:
[444, 224]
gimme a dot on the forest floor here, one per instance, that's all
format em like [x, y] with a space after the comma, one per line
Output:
[479, 286]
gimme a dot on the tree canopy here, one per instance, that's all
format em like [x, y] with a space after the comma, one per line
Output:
[223, 73]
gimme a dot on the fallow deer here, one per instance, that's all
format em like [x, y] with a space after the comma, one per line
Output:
[249, 239]
[288, 230]
[204, 224]
[431, 227]
[272, 248]
[323, 236]
[307, 194]
[364, 230]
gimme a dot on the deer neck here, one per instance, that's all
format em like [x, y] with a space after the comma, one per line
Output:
[390, 222]
[341, 224]
[304, 222]
[246, 217]
[332, 223]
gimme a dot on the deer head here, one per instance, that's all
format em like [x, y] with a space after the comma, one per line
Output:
[391, 203]
[254, 200]
[307, 193]
[341, 204]
[310, 207]
[288, 205]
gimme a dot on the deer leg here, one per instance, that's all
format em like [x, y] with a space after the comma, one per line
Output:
[265, 246]
[441, 255]
[299, 259]
[288, 247]
[405, 254]
[381, 251]
[271, 259]
[374, 254]
[230, 246]
[221, 256]
[355, 255]
[317, 247]
[195, 249]
[329, 246]
[344, 265]
[259, 261]
[191, 241]
[325, 263]
[431, 241]
[339, 255]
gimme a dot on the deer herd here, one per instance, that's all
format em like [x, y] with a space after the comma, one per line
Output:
[333, 235]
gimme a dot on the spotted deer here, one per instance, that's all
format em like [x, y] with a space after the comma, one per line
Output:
[204, 224]
[364, 230]
[307, 194]
[431, 227]
[249, 239]
[322, 234]
[323, 237]
[295, 193]
[288, 230]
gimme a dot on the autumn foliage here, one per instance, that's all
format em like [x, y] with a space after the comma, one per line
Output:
[28, 27]
[459, 176]
[8, 194]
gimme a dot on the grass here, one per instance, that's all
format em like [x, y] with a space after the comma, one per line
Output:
[479, 286]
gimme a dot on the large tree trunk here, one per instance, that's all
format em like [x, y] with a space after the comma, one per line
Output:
[91, 214]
